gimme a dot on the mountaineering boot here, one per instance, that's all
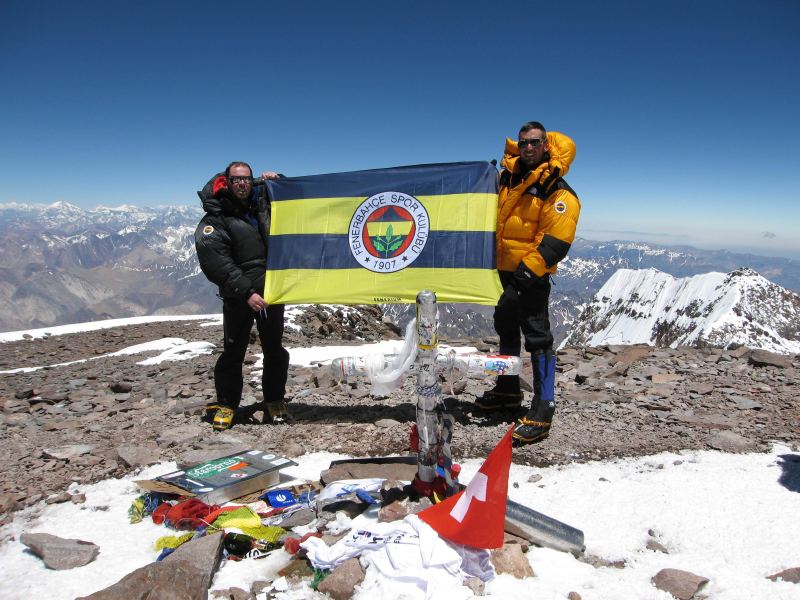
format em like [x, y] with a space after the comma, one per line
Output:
[532, 428]
[276, 413]
[211, 410]
[223, 418]
[535, 425]
[505, 394]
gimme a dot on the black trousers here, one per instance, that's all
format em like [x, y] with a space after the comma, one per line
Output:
[523, 308]
[237, 321]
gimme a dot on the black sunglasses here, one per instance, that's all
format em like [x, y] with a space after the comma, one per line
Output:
[535, 142]
[240, 178]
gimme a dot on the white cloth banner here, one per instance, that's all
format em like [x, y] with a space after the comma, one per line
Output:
[407, 551]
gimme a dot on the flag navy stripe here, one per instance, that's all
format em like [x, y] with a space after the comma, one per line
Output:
[416, 180]
[443, 250]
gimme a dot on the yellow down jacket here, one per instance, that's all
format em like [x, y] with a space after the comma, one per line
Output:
[535, 225]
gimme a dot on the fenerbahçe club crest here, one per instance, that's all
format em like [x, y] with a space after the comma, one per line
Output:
[388, 232]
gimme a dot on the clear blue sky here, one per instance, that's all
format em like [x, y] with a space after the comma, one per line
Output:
[685, 114]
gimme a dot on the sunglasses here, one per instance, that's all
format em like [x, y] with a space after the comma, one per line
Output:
[535, 142]
[241, 179]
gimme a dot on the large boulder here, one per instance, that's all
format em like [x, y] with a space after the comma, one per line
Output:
[764, 358]
[178, 580]
[185, 574]
[204, 554]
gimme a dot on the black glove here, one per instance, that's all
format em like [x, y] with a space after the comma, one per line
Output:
[526, 280]
[549, 181]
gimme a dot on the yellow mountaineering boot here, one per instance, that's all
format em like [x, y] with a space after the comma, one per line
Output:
[223, 418]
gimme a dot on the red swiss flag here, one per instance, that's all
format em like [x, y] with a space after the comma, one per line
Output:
[476, 516]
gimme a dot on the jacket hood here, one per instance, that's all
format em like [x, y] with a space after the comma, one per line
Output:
[561, 155]
[211, 196]
[216, 199]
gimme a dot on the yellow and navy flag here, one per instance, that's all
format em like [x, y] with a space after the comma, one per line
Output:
[381, 236]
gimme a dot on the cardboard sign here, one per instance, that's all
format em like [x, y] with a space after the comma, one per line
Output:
[222, 479]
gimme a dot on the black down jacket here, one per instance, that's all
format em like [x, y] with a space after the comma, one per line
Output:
[232, 251]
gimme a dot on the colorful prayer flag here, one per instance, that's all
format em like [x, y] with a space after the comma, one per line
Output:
[381, 236]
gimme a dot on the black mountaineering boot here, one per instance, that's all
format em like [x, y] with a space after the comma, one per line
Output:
[533, 427]
[505, 394]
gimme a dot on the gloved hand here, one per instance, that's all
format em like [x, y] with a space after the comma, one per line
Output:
[550, 176]
[526, 280]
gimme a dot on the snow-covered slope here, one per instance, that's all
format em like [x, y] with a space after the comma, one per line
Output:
[740, 308]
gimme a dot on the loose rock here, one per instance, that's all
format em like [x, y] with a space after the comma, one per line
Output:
[681, 584]
[510, 559]
[59, 553]
[68, 452]
[342, 581]
[791, 575]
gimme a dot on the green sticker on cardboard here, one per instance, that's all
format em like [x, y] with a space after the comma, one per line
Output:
[214, 467]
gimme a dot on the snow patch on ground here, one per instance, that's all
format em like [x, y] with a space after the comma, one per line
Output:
[173, 349]
[184, 351]
[726, 517]
[13, 336]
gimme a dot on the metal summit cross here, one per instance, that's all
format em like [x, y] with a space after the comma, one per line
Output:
[434, 424]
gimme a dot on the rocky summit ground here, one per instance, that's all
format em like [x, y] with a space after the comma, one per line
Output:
[105, 417]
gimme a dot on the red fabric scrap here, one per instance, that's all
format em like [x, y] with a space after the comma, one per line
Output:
[186, 515]
[161, 512]
[292, 544]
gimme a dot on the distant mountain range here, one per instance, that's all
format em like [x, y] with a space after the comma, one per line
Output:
[63, 264]
[647, 306]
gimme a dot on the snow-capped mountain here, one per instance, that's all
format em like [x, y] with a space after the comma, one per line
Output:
[590, 263]
[740, 308]
[70, 219]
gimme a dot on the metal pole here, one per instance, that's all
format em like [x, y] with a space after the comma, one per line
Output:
[429, 393]
[543, 530]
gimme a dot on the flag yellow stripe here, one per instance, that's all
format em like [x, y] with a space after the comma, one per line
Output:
[360, 286]
[451, 212]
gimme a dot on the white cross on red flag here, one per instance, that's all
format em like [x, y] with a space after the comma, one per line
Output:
[476, 516]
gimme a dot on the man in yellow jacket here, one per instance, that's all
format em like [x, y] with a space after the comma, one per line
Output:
[537, 215]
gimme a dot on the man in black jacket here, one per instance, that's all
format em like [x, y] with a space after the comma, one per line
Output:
[231, 242]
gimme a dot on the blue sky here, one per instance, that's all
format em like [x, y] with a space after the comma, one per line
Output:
[684, 113]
